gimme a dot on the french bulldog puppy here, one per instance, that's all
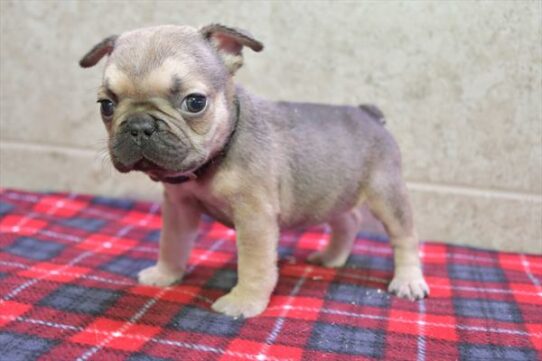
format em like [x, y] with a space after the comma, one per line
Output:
[172, 110]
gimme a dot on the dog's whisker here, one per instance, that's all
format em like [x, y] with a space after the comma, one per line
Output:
[105, 165]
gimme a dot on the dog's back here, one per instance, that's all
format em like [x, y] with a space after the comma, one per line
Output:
[329, 152]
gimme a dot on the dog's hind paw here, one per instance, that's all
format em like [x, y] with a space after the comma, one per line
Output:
[157, 276]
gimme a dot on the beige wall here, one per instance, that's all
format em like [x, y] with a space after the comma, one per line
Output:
[460, 83]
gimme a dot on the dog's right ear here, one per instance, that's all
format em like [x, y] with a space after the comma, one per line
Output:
[104, 47]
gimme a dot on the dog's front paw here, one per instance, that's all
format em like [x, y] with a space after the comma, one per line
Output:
[408, 282]
[157, 276]
[238, 304]
[324, 259]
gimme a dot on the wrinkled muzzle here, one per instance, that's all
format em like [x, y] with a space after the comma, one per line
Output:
[143, 142]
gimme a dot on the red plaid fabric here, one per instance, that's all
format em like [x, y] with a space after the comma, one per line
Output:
[67, 281]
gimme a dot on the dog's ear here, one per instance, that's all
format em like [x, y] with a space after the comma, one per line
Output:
[104, 47]
[229, 43]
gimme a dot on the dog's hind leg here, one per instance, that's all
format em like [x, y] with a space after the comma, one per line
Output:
[343, 234]
[389, 202]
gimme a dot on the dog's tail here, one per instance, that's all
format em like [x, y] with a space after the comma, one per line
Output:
[374, 112]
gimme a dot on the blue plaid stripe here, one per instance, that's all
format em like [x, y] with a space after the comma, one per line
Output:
[198, 320]
[359, 295]
[88, 224]
[347, 340]
[473, 352]
[17, 347]
[127, 266]
[34, 248]
[496, 310]
[476, 273]
[81, 299]
[5, 208]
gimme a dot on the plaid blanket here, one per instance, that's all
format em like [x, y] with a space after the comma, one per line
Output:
[68, 288]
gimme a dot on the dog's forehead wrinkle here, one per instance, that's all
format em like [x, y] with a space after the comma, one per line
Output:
[155, 84]
[117, 81]
[106, 87]
[175, 84]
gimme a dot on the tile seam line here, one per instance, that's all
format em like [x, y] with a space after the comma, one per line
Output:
[428, 187]
[473, 191]
[39, 146]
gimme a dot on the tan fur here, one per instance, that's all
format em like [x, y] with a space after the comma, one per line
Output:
[118, 81]
[180, 218]
[275, 164]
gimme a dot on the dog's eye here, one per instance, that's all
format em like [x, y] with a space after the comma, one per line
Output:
[107, 107]
[194, 103]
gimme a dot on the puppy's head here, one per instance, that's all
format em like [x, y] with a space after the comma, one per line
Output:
[167, 97]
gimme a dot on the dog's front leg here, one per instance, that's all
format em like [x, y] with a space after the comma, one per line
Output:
[180, 219]
[257, 238]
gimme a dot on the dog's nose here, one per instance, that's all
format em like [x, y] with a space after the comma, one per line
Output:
[141, 126]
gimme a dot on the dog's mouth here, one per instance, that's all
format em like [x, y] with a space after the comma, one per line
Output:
[160, 174]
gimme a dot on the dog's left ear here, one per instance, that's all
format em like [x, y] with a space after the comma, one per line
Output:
[104, 47]
[229, 43]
